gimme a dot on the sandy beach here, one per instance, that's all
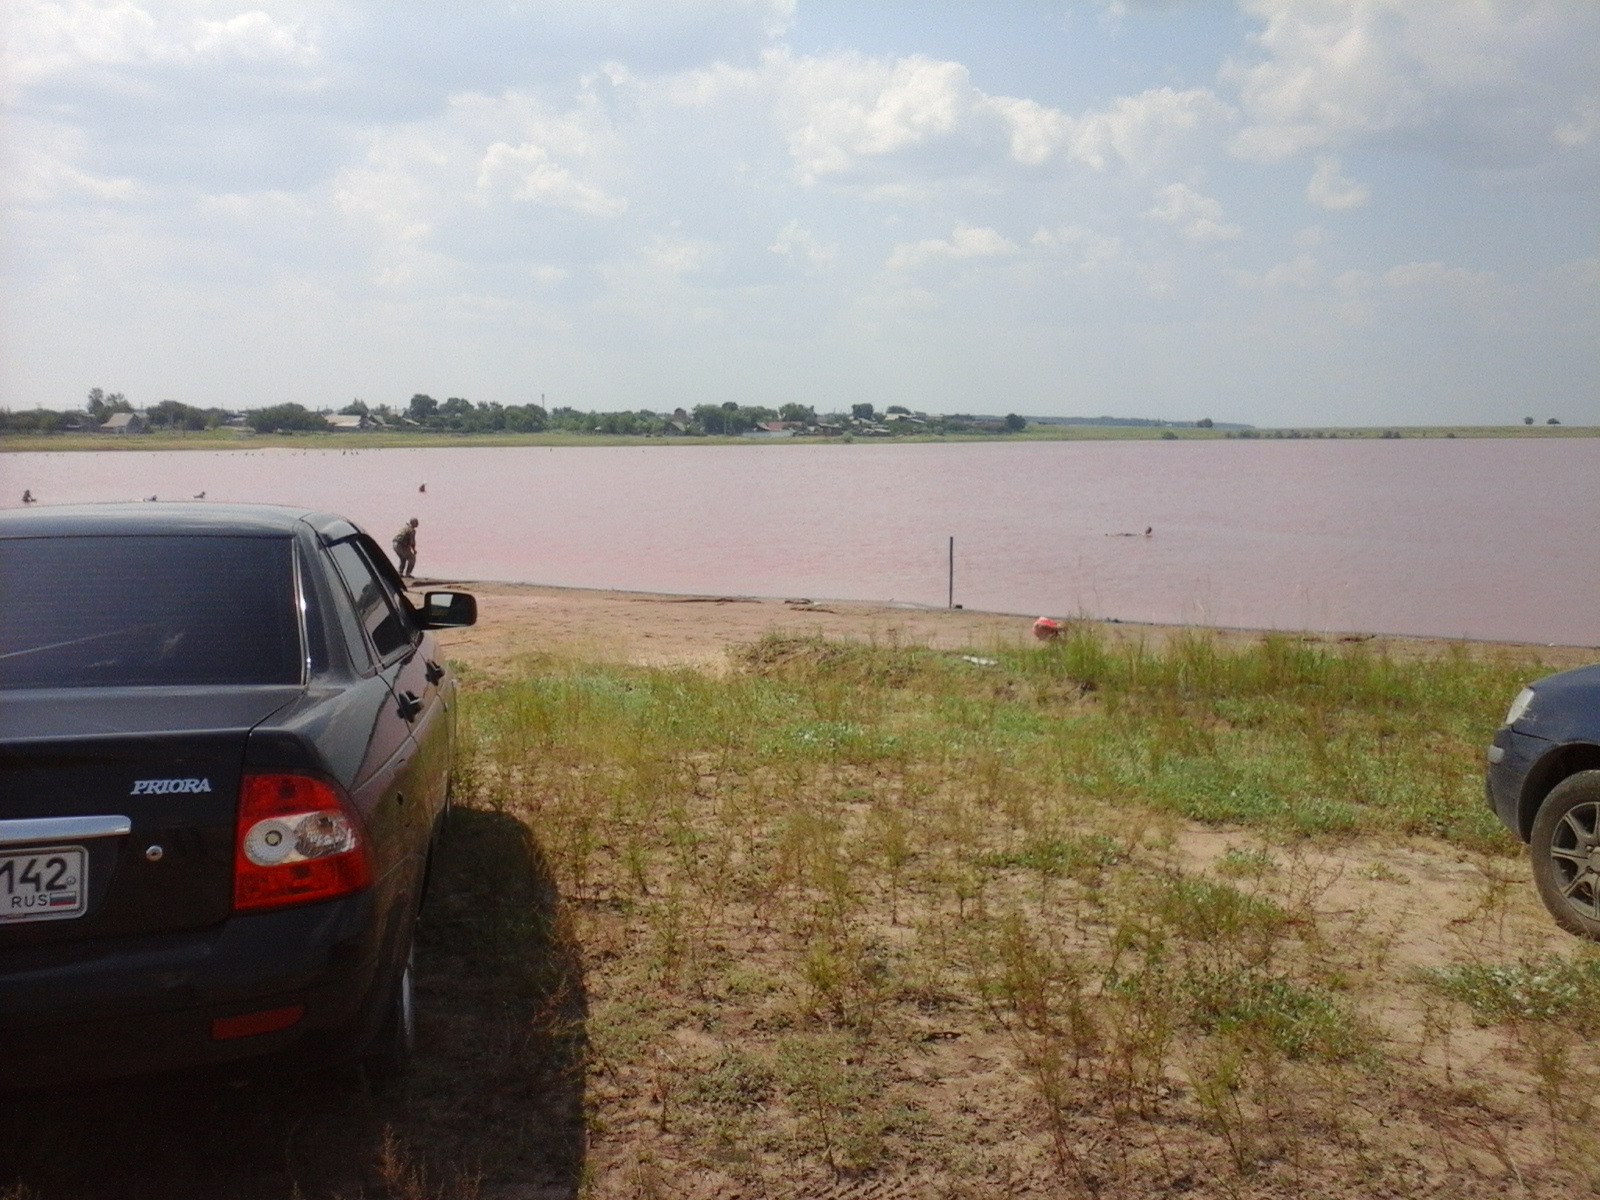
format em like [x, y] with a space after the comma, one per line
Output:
[519, 620]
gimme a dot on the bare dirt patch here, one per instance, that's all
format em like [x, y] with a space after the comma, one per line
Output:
[518, 620]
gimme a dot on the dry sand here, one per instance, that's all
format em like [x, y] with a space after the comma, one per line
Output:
[516, 620]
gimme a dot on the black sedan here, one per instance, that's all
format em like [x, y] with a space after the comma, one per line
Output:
[1544, 782]
[225, 742]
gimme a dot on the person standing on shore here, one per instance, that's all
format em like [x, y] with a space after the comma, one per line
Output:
[405, 548]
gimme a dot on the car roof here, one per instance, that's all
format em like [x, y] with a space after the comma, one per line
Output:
[196, 518]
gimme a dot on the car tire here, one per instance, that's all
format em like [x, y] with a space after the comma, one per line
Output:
[389, 1052]
[1566, 853]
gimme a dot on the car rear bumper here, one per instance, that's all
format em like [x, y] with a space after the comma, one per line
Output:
[77, 1011]
[1511, 756]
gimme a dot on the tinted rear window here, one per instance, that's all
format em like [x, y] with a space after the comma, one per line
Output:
[133, 611]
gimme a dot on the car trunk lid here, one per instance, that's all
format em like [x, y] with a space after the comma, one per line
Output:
[168, 761]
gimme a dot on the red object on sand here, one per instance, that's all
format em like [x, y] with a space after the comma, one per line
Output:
[1044, 629]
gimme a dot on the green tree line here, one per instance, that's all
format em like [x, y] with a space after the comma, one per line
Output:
[457, 415]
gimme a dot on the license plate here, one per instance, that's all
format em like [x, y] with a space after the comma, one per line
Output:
[47, 884]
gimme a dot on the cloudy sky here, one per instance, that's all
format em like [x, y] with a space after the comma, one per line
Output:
[1282, 212]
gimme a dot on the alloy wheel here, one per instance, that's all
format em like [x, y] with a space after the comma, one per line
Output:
[1575, 858]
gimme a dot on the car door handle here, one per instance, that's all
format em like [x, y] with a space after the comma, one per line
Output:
[433, 671]
[410, 705]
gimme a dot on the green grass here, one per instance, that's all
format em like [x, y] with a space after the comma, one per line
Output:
[1276, 735]
[1552, 988]
[790, 875]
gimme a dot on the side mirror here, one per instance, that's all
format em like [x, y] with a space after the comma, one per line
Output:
[448, 610]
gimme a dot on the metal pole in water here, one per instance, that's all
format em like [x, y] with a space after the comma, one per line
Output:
[950, 600]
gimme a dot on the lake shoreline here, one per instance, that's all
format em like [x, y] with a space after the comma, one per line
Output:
[62, 443]
[520, 621]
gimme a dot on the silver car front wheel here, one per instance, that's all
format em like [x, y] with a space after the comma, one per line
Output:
[1566, 853]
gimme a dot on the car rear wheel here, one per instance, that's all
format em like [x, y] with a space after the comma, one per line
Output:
[389, 1053]
[1566, 853]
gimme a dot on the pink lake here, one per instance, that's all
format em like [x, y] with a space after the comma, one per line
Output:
[1477, 538]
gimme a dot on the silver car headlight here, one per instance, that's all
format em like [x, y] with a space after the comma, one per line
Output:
[1519, 706]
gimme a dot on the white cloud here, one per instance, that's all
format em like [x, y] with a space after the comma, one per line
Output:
[677, 255]
[1134, 130]
[1332, 190]
[251, 36]
[1362, 295]
[1580, 131]
[1354, 283]
[1436, 275]
[1581, 274]
[843, 108]
[1302, 273]
[965, 241]
[525, 172]
[451, 184]
[251, 207]
[1139, 130]
[1419, 275]
[43, 174]
[705, 86]
[1094, 251]
[795, 241]
[843, 112]
[1036, 132]
[50, 39]
[1199, 218]
[1476, 80]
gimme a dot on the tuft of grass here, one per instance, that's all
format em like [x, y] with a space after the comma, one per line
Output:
[405, 1177]
[836, 1098]
[1555, 988]
[1295, 1019]
[1241, 862]
[1080, 856]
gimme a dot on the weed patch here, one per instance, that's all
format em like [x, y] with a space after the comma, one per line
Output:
[1559, 989]
[862, 911]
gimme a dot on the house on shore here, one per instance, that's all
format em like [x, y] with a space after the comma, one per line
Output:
[348, 422]
[126, 422]
[772, 429]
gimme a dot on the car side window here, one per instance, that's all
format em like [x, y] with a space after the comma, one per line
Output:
[390, 581]
[383, 623]
[350, 626]
[311, 616]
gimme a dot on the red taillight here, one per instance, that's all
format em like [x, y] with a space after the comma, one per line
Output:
[297, 841]
[268, 1020]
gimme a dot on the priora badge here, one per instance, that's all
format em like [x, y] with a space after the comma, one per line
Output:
[163, 787]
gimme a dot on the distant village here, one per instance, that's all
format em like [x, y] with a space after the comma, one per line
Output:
[113, 414]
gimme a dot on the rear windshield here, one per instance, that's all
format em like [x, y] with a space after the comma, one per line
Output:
[133, 611]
